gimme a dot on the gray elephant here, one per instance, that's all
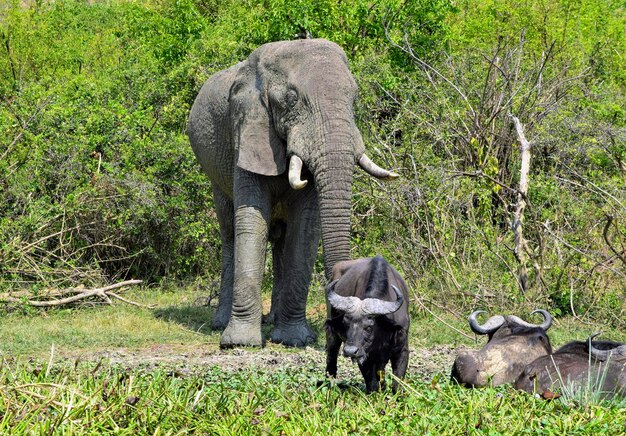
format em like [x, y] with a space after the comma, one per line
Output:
[277, 137]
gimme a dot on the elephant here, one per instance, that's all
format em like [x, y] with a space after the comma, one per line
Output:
[277, 137]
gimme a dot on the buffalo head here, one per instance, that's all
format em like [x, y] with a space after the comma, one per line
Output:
[513, 343]
[363, 321]
[599, 365]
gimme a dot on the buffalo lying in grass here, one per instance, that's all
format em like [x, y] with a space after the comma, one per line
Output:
[367, 304]
[598, 366]
[513, 343]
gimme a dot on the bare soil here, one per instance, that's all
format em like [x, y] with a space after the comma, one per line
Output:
[424, 363]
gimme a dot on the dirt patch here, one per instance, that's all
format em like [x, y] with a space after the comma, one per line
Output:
[423, 362]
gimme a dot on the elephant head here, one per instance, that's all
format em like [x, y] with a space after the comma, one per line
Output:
[291, 107]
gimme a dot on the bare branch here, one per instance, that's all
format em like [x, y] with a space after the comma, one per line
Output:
[87, 293]
[518, 216]
[605, 235]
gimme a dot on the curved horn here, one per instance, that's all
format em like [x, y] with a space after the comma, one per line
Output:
[618, 352]
[592, 350]
[376, 306]
[295, 171]
[492, 324]
[374, 170]
[338, 302]
[545, 325]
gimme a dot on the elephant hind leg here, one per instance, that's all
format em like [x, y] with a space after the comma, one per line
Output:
[277, 238]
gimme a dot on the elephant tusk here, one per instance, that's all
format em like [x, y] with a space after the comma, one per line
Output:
[295, 171]
[374, 170]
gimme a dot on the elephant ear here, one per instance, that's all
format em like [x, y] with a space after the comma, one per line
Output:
[260, 149]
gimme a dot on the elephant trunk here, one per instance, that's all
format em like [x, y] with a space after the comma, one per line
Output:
[333, 174]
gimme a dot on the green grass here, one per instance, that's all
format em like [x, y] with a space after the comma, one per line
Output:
[82, 399]
[54, 390]
[178, 318]
[174, 319]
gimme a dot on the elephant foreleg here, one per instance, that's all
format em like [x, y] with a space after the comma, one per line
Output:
[298, 258]
[252, 209]
[225, 216]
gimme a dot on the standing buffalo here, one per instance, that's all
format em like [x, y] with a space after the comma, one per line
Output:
[512, 344]
[598, 366]
[368, 311]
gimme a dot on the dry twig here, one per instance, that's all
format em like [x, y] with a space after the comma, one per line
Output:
[60, 298]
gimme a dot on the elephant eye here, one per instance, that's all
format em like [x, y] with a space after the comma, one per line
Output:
[291, 98]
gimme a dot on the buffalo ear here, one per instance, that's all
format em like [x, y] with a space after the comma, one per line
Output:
[389, 322]
[260, 150]
[334, 325]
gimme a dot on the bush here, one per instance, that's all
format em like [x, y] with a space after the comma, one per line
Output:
[98, 182]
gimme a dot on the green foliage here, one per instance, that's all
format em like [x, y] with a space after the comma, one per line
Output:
[81, 398]
[97, 180]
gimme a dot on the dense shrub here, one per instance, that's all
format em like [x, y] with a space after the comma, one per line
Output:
[98, 182]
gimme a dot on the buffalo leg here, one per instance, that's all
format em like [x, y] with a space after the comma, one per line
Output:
[370, 375]
[333, 343]
[399, 363]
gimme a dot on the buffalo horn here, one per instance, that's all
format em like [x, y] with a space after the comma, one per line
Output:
[374, 170]
[338, 302]
[295, 172]
[545, 325]
[604, 355]
[376, 306]
[492, 324]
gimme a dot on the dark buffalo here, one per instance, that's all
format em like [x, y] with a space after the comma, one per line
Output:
[367, 304]
[599, 366]
[512, 344]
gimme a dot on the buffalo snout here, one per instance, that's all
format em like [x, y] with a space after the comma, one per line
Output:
[351, 351]
[466, 369]
[354, 352]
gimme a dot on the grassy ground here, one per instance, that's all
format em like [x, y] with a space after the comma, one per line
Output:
[130, 370]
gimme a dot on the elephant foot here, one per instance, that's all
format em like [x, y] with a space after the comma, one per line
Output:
[241, 334]
[293, 335]
[220, 318]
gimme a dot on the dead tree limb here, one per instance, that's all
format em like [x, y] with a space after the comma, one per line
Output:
[518, 216]
[76, 295]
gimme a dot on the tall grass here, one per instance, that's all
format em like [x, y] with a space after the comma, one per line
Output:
[590, 388]
[89, 398]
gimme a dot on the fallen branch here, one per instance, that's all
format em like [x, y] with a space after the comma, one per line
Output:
[78, 294]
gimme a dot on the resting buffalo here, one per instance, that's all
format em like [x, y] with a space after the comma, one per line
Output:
[512, 344]
[599, 365]
[368, 311]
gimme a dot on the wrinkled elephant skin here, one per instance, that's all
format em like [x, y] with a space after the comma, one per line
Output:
[276, 136]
